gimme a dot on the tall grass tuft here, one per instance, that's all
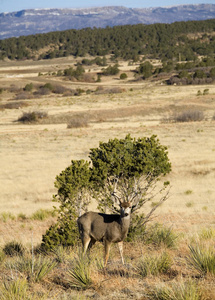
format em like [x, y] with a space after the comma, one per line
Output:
[207, 233]
[202, 259]
[176, 291]
[14, 290]
[42, 214]
[154, 265]
[79, 275]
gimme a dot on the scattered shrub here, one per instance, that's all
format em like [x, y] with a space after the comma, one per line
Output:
[32, 117]
[23, 95]
[123, 76]
[206, 92]
[189, 116]
[13, 248]
[59, 89]
[29, 87]
[111, 70]
[14, 105]
[48, 86]
[42, 92]
[78, 122]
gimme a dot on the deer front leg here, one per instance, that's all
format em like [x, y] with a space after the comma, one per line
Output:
[120, 244]
[107, 251]
[85, 242]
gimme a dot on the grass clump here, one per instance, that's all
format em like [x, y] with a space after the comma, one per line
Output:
[159, 235]
[79, 276]
[14, 249]
[5, 216]
[42, 214]
[154, 265]
[176, 291]
[207, 233]
[202, 259]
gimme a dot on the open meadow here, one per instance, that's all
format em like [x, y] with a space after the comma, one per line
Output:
[32, 154]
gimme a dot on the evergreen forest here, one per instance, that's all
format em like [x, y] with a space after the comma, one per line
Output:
[179, 41]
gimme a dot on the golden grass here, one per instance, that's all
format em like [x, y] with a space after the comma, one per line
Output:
[32, 155]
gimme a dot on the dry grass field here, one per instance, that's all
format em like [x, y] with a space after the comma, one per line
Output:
[32, 155]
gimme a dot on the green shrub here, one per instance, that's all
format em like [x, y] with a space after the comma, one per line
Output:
[29, 87]
[63, 233]
[48, 86]
[123, 76]
[111, 70]
[13, 248]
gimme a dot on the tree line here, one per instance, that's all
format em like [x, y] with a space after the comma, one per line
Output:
[179, 41]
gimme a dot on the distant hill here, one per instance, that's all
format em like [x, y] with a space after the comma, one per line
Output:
[32, 21]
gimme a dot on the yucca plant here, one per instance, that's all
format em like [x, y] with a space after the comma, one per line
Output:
[176, 291]
[14, 290]
[154, 265]
[79, 274]
[202, 259]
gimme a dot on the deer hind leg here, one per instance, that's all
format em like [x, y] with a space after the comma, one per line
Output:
[107, 251]
[120, 245]
[92, 242]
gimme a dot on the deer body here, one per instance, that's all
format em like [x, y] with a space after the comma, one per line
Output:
[106, 228]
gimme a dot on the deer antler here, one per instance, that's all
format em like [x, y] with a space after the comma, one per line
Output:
[114, 190]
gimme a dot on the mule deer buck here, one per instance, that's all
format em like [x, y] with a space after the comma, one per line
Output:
[107, 228]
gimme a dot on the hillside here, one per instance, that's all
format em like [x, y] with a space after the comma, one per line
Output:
[180, 40]
[32, 21]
